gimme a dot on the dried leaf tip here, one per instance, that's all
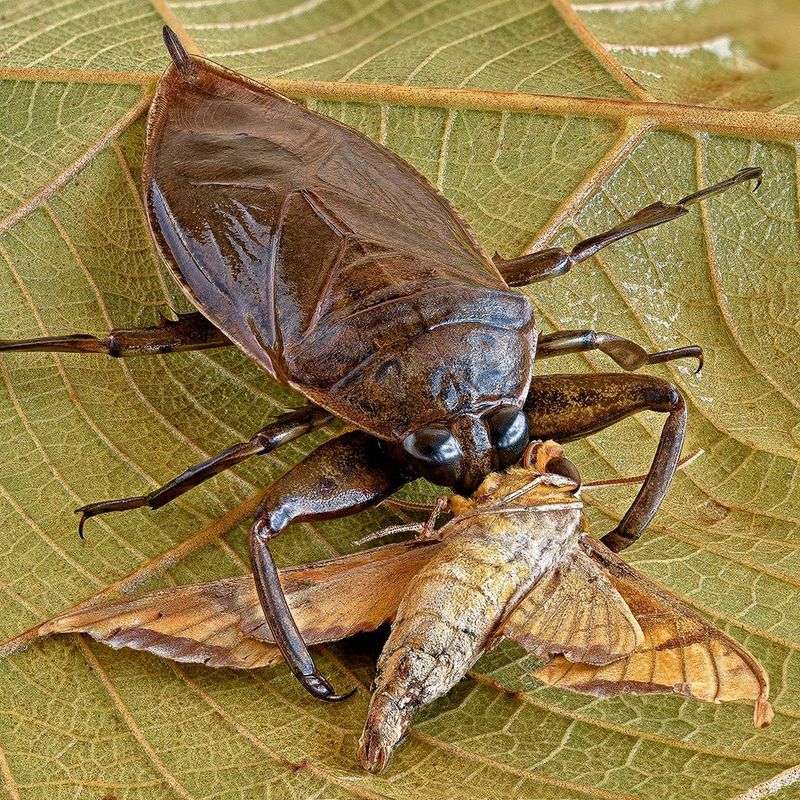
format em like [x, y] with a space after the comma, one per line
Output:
[177, 52]
[762, 713]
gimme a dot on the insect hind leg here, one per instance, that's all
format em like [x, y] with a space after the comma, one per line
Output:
[554, 261]
[284, 429]
[189, 332]
[627, 354]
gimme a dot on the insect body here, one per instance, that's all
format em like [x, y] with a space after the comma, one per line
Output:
[486, 564]
[512, 564]
[341, 271]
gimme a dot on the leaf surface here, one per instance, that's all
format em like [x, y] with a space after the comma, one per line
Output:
[543, 122]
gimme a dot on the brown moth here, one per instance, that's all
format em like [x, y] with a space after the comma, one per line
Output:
[513, 563]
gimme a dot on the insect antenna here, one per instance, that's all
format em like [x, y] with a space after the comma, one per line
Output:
[177, 52]
[604, 484]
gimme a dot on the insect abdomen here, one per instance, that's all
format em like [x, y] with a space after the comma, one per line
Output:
[450, 610]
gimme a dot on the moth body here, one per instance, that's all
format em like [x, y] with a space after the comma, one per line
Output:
[453, 606]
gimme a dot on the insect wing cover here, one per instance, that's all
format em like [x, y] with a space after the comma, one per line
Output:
[315, 250]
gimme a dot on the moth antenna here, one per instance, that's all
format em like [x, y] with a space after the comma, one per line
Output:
[177, 52]
[603, 484]
[390, 530]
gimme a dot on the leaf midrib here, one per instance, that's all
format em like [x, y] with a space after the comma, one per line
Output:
[681, 116]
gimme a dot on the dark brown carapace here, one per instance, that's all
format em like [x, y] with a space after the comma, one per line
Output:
[340, 270]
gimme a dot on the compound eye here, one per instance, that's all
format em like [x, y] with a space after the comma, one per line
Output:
[437, 450]
[508, 430]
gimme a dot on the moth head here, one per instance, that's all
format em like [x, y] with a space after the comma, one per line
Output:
[545, 476]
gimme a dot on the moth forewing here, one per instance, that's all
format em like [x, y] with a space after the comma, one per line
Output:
[221, 624]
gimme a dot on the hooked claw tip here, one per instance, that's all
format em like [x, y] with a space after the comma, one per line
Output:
[84, 517]
[319, 687]
[753, 173]
[699, 365]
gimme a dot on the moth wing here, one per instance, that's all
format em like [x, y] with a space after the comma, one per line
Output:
[221, 624]
[335, 599]
[573, 610]
[188, 623]
[680, 651]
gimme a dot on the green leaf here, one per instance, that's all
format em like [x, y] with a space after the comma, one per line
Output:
[542, 122]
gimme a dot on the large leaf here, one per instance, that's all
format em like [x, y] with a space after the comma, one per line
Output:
[539, 134]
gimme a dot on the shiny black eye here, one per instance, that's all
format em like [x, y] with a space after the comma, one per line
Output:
[508, 431]
[437, 452]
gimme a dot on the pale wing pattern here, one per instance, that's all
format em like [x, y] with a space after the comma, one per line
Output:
[680, 652]
[574, 610]
[220, 624]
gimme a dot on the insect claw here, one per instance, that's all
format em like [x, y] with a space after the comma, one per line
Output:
[82, 522]
[699, 363]
[86, 512]
[743, 175]
[106, 506]
[751, 174]
[319, 687]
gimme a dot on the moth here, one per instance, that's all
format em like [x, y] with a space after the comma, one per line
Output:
[513, 563]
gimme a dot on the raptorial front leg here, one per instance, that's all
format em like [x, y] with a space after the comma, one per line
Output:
[284, 429]
[343, 476]
[554, 261]
[567, 407]
[629, 355]
[189, 332]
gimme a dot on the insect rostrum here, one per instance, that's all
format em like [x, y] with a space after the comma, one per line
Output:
[336, 267]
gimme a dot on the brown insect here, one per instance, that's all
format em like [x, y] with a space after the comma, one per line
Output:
[512, 564]
[337, 267]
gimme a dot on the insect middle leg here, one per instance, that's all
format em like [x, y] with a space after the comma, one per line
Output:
[554, 261]
[567, 407]
[284, 429]
[189, 332]
[343, 476]
[629, 355]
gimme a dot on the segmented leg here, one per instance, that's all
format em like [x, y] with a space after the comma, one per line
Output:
[189, 332]
[554, 261]
[629, 355]
[567, 407]
[282, 430]
[343, 476]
